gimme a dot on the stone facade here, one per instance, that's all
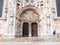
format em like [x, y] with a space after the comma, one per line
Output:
[16, 12]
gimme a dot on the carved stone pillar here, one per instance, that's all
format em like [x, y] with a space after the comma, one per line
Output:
[29, 29]
[21, 29]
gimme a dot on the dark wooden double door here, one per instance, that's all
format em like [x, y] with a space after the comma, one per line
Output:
[26, 30]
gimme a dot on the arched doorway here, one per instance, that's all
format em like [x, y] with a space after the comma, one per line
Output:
[25, 29]
[26, 19]
[34, 29]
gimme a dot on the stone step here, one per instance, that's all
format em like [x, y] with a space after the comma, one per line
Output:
[29, 39]
[29, 43]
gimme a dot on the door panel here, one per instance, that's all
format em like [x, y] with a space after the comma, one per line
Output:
[25, 29]
[34, 29]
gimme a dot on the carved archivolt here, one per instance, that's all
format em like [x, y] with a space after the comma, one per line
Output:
[29, 15]
[28, 7]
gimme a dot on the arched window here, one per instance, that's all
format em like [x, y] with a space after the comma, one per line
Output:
[1, 7]
[58, 7]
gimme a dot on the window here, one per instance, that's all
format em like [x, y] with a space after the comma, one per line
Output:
[31, 1]
[1, 7]
[58, 7]
[27, 0]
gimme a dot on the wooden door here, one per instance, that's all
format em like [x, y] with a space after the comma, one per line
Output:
[25, 29]
[34, 29]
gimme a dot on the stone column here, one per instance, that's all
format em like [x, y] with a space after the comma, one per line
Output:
[21, 29]
[11, 19]
[29, 29]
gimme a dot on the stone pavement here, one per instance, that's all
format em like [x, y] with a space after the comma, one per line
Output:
[29, 41]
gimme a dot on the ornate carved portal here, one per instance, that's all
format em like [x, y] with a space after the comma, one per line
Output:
[28, 20]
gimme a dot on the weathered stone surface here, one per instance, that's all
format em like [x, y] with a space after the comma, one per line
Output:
[42, 12]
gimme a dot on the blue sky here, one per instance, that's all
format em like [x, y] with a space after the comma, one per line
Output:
[1, 7]
[58, 6]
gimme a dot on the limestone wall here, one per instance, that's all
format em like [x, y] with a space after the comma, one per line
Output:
[47, 12]
[3, 27]
[57, 26]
